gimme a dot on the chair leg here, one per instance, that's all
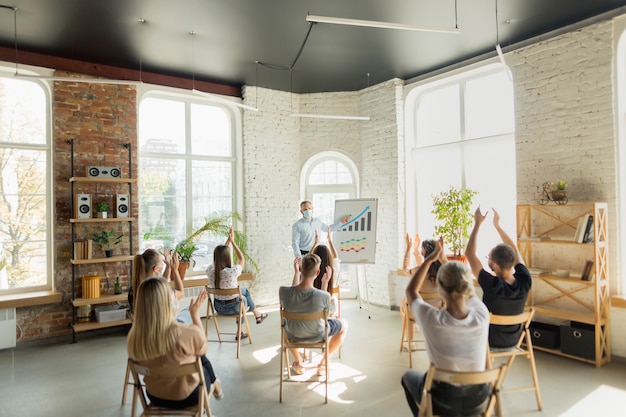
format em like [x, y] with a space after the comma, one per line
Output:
[533, 370]
[126, 382]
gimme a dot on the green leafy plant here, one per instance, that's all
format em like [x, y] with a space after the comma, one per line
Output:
[107, 239]
[559, 185]
[102, 207]
[452, 210]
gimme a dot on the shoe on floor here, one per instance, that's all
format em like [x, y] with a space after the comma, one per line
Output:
[297, 369]
[218, 393]
[243, 336]
[260, 319]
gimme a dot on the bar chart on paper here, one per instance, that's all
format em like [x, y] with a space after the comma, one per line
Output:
[356, 238]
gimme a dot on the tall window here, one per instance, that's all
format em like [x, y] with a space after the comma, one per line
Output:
[186, 171]
[25, 223]
[464, 137]
[330, 176]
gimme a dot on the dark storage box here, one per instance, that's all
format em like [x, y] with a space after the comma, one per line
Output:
[545, 335]
[578, 339]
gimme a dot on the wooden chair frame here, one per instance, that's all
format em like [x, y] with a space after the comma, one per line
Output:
[286, 344]
[337, 291]
[212, 315]
[524, 347]
[409, 320]
[493, 377]
[169, 372]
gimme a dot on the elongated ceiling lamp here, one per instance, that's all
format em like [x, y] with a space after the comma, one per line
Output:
[385, 25]
[499, 49]
[212, 96]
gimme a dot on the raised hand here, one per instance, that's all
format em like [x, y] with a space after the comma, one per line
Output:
[496, 218]
[479, 218]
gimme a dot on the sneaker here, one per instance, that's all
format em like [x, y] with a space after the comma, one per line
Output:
[297, 369]
[243, 336]
[218, 392]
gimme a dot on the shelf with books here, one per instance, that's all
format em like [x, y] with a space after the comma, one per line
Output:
[566, 250]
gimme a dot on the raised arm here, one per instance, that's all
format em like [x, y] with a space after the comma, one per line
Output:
[412, 290]
[331, 246]
[296, 271]
[231, 238]
[406, 262]
[179, 289]
[328, 274]
[506, 239]
[316, 242]
[470, 250]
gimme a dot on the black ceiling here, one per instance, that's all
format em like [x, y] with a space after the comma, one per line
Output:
[231, 35]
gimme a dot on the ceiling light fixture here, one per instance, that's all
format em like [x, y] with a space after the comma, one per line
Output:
[212, 96]
[499, 49]
[379, 24]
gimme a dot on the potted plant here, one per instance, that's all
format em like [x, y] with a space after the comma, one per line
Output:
[102, 208]
[107, 240]
[558, 194]
[452, 210]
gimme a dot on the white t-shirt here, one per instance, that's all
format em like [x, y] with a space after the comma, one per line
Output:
[452, 344]
[228, 279]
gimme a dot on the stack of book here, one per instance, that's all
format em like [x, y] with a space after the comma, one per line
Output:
[584, 231]
[83, 249]
[538, 271]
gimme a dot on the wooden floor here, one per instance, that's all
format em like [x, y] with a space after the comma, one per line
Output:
[85, 378]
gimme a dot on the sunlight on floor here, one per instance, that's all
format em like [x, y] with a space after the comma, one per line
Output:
[603, 401]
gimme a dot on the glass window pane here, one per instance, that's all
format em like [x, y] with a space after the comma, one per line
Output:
[23, 227]
[210, 131]
[324, 207]
[161, 126]
[438, 117]
[22, 112]
[489, 106]
[330, 172]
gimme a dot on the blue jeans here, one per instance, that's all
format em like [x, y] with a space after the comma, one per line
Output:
[231, 307]
[184, 316]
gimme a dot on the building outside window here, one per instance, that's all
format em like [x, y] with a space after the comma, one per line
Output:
[187, 162]
[25, 186]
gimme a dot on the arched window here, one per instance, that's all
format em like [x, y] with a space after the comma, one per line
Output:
[326, 177]
[25, 186]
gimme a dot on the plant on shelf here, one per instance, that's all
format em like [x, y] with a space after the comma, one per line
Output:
[102, 208]
[558, 194]
[107, 240]
[452, 210]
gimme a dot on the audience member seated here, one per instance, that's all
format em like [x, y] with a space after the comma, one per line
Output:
[303, 297]
[157, 339]
[328, 256]
[506, 290]
[455, 336]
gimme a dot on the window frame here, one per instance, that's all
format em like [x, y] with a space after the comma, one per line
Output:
[7, 71]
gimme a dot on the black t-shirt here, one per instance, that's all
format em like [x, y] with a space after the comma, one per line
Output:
[506, 300]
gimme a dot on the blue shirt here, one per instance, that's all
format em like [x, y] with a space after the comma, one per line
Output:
[303, 234]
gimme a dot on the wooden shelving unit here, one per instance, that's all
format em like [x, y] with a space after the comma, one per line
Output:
[76, 263]
[546, 240]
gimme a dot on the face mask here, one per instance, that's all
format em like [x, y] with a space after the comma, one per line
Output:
[307, 214]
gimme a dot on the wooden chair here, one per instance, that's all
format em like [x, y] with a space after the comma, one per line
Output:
[336, 292]
[286, 344]
[212, 315]
[139, 389]
[127, 382]
[492, 377]
[407, 321]
[524, 347]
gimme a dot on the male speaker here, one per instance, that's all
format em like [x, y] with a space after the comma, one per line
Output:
[122, 205]
[82, 206]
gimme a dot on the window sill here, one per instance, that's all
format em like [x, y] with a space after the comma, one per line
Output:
[30, 299]
[618, 301]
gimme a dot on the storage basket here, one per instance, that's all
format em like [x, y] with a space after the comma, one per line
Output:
[91, 286]
[110, 313]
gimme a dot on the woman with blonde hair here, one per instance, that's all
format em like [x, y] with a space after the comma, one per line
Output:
[455, 336]
[157, 339]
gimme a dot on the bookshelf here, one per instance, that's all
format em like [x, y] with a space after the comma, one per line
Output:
[547, 240]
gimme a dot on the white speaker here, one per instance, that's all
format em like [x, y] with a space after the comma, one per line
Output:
[82, 206]
[104, 172]
[123, 206]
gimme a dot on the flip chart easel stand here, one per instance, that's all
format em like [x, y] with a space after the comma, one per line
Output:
[363, 269]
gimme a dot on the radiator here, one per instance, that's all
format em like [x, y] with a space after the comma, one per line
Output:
[7, 328]
[189, 293]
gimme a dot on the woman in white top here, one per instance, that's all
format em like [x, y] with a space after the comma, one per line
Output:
[223, 275]
[455, 336]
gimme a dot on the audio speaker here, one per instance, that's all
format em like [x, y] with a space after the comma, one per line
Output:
[122, 204]
[104, 172]
[82, 206]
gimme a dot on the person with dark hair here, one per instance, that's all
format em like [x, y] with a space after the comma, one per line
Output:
[303, 297]
[223, 275]
[506, 290]
[420, 251]
[156, 339]
[328, 257]
[455, 337]
[303, 231]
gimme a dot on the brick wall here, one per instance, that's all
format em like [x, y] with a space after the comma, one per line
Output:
[99, 118]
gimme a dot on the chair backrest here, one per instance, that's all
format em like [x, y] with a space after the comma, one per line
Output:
[169, 372]
[523, 319]
[291, 316]
[491, 377]
[223, 291]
